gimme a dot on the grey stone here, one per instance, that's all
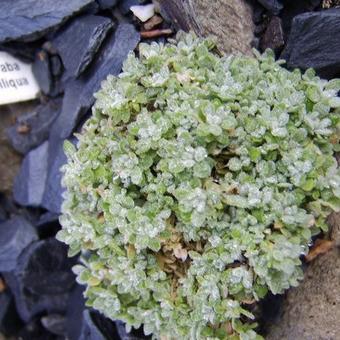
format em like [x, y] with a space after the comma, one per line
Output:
[15, 235]
[42, 280]
[29, 185]
[78, 42]
[314, 42]
[311, 310]
[273, 6]
[79, 92]
[230, 22]
[334, 221]
[38, 121]
[28, 20]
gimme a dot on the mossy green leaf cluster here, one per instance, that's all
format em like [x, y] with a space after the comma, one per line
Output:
[196, 186]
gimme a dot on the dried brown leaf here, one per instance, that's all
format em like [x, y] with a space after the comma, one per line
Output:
[320, 247]
[156, 33]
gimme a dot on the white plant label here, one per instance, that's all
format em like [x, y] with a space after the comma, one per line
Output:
[17, 82]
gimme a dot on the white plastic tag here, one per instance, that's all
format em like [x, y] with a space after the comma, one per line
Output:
[17, 82]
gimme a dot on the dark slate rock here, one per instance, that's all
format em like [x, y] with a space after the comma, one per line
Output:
[52, 197]
[47, 225]
[54, 323]
[9, 319]
[258, 12]
[111, 58]
[73, 109]
[15, 235]
[34, 330]
[25, 52]
[270, 312]
[107, 327]
[293, 8]
[97, 327]
[89, 324]
[56, 66]
[5, 300]
[46, 268]
[83, 120]
[259, 29]
[3, 214]
[74, 313]
[78, 99]
[314, 42]
[271, 306]
[42, 72]
[29, 185]
[79, 92]
[38, 122]
[125, 5]
[31, 214]
[42, 279]
[49, 48]
[89, 330]
[30, 305]
[135, 334]
[273, 6]
[78, 43]
[105, 4]
[93, 8]
[27, 20]
[273, 36]
[8, 207]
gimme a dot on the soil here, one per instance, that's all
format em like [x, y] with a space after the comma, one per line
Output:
[10, 160]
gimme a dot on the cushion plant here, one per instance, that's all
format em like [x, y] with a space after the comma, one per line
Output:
[196, 186]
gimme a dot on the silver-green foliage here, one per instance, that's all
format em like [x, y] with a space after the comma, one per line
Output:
[224, 163]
